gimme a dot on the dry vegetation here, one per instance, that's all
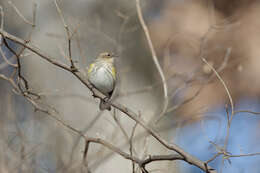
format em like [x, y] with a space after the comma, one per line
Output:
[177, 60]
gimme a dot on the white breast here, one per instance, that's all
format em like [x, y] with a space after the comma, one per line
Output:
[102, 79]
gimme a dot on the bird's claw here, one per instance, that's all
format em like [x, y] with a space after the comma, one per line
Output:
[106, 99]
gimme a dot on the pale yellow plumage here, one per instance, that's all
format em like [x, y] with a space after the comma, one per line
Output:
[102, 74]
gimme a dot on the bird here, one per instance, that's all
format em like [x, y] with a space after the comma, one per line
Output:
[102, 75]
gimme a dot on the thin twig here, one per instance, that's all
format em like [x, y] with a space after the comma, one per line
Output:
[231, 103]
[213, 158]
[82, 55]
[1, 50]
[247, 111]
[72, 66]
[120, 125]
[20, 14]
[223, 83]
[80, 76]
[5, 58]
[131, 143]
[155, 59]
[243, 155]
[20, 76]
[11, 81]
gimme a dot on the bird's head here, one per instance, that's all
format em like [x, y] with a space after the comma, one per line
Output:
[109, 57]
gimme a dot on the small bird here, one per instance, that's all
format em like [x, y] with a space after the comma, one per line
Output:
[102, 75]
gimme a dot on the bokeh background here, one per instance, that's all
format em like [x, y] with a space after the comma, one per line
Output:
[226, 33]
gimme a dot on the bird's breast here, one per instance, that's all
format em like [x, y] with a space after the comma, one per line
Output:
[102, 79]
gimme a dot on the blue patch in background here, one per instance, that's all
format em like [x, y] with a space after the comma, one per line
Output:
[243, 139]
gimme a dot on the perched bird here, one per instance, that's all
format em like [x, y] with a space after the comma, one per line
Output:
[102, 74]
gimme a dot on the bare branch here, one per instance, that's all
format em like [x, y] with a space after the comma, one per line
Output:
[20, 14]
[131, 148]
[223, 83]
[186, 156]
[6, 60]
[68, 34]
[247, 111]
[243, 155]
[155, 59]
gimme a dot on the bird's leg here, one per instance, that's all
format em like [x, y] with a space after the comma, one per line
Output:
[108, 96]
[106, 99]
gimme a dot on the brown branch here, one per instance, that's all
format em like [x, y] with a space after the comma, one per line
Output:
[72, 66]
[20, 76]
[186, 156]
[161, 158]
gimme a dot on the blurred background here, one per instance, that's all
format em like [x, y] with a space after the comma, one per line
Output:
[225, 33]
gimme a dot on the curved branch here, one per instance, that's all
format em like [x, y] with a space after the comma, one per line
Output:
[171, 146]
[155, 59]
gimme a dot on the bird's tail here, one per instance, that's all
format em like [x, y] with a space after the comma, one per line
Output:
[104, 105]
